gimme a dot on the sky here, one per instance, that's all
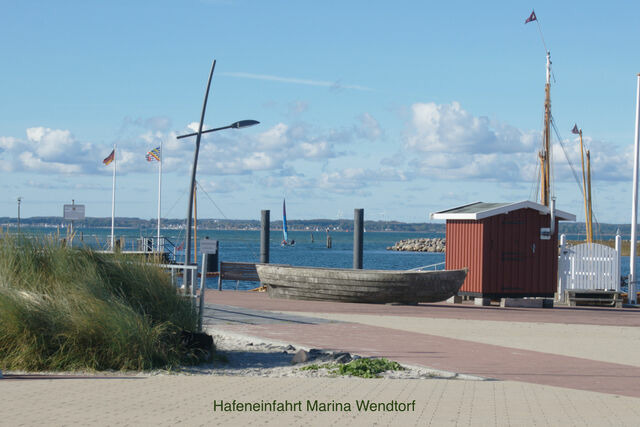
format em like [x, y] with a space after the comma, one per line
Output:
[401, 108]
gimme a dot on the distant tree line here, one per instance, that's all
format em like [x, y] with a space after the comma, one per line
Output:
[573, 228]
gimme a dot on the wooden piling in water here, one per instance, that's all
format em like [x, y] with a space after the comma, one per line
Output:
[358, 227]
[264, 236]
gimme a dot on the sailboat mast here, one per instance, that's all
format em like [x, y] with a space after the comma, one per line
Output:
[586, 198]
[589, 211]
[545, 155]
[284, 222]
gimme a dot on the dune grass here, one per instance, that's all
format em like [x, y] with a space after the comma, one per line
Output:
[75, 309]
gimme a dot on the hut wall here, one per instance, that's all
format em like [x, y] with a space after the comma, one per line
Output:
[464, 250]
[504, 254]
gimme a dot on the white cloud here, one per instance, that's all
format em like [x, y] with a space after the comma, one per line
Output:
[368, 128]
[31, 162]
[7, 143]
[357, 179]
[220, 185]
[271, 150]
[608, 163]
[453, 144]
[52, 145]
[258, 161]
[449, 128]
[45, 150]
[275, 138]
[315, 150]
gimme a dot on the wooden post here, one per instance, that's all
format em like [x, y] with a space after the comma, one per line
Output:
[358, 225]
[264, 236]
[203, 285]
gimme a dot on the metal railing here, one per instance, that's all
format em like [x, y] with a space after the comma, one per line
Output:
[430, 267]
[150, 245]
[190, 270]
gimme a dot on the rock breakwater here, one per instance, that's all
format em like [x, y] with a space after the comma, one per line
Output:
[436, 244]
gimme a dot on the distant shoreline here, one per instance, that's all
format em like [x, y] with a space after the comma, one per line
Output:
[313, 225]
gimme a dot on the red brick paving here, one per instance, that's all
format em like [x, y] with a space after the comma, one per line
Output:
[449, 354]
[484, 360]
[569, 315]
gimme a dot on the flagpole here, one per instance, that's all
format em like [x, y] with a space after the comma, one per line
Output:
[113, 197]
[634, 207]
[159, 193]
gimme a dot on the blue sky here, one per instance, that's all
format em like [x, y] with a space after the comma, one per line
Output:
[400, 108]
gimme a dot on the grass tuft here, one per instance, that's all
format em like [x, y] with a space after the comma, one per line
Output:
[75, 309]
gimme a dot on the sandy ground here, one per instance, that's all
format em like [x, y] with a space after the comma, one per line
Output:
[240, 355]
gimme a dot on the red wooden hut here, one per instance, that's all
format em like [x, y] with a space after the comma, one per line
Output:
[510, 249]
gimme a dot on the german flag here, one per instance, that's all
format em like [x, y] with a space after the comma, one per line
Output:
[110, 157]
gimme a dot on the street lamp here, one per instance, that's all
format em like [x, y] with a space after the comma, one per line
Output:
[198, 135]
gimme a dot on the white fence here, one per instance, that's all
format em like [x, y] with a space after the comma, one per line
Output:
[588, 266]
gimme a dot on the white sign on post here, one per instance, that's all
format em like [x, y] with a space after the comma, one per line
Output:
[73, 212]
[208, 246]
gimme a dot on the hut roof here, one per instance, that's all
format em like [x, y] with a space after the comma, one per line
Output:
[480, 210]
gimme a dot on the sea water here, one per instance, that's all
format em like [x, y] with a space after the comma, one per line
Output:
[244, 246]
[310, 248]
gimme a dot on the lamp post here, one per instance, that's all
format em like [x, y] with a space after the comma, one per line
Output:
[198, 135]
[19, 201]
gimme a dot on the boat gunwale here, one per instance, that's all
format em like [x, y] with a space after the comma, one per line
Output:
[357, 271]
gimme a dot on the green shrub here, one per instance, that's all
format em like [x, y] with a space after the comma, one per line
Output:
[66, 309]
[364, 368]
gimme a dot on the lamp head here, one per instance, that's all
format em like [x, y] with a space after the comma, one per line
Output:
[244, 124]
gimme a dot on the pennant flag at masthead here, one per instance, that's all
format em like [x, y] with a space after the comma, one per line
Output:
[531, 18]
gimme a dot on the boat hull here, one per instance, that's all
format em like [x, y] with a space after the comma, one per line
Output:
[365, 286]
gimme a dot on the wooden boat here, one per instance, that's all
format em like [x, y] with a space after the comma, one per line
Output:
[367, 286]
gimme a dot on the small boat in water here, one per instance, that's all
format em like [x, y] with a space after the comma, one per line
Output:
[285, 240]
[365, 286]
